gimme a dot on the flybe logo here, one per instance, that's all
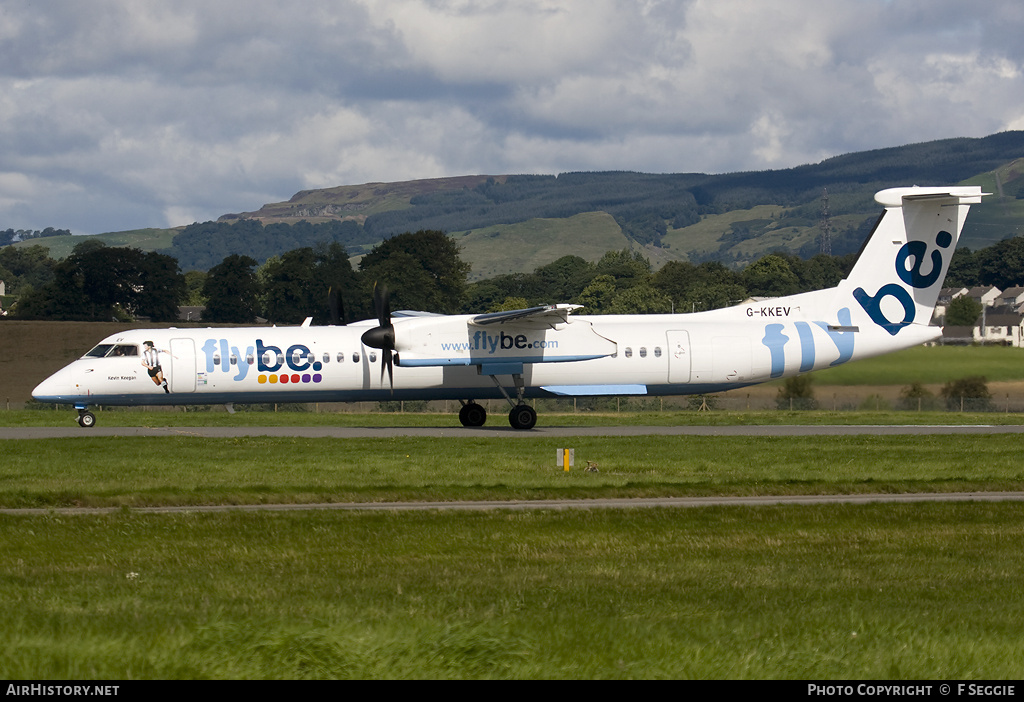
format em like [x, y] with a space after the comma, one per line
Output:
[913, 252]
[295, 365]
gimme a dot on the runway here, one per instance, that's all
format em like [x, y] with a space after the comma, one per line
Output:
[556, 505]
[541, 432]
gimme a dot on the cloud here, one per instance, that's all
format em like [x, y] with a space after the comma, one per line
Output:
[120, 114]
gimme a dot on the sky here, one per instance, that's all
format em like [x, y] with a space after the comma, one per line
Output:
[125, 114]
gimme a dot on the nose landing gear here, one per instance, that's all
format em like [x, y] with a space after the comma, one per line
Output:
[86, 419]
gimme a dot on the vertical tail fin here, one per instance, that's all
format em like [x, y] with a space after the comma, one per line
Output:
[900, 270]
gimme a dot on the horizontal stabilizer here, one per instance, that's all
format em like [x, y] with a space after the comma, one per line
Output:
[961, 195]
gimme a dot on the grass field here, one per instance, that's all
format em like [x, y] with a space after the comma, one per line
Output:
[528, 245]
[895, 592]
[919, 591]
[869, 591]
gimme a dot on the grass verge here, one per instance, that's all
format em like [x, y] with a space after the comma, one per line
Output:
[144, 471]
[924, 591]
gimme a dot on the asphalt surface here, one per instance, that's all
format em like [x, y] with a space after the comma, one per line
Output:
[520, 505]
[75, 431]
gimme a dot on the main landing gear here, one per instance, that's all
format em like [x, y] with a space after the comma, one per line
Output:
[522, 416]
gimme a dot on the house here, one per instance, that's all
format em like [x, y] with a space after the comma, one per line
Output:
[1000, 328]
[984, 294]
[1012, 297]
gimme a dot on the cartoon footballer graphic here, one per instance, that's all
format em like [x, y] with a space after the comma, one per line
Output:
[151, 361]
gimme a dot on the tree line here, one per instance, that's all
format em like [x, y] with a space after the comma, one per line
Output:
[423, 271]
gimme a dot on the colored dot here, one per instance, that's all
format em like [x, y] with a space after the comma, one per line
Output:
[273, 378]
[317, 377]
[262, 379]
[295, 378]
[317, 365]
[305, 377]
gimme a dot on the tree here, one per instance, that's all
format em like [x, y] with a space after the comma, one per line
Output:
[963, 311]
[770, 276]
[289, 286]
[969, 393]
[796, 393]
[161, 287]
[335, 277]
[1002, 264]
[626, 268]
[422, 270]
[99, 283]
[597, 297]
[707, 286]
[25, 266]
[640, 299]
[232, 291]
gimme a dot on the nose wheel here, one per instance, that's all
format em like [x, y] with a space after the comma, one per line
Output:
[86, 419]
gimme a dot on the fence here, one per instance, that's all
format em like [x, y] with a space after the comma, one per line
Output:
[880, 399]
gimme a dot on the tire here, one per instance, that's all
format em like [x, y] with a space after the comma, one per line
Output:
[473, 415]
[86, 420]
[522, 417]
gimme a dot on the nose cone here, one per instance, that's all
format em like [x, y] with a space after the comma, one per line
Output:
[57, 388]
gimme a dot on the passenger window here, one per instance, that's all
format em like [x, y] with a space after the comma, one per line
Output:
[249, 359]
[216, 359]
[327, 357]
[373, 357]
[234, 360]
[629, 352]
[355, 357]
[643, 352]
[657, 352]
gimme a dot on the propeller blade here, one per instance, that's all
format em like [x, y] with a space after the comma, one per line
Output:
[337, 308]
[382, 304]
[383, 336]
[387, 361]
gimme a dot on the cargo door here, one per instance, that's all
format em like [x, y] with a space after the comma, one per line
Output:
[678, 357]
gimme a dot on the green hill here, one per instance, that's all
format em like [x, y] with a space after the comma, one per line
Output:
[514, 223]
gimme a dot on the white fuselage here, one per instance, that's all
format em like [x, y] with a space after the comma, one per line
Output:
[648, 355]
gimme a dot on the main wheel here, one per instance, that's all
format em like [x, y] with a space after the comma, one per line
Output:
[472, 415]
[86, 419]
[522, 417]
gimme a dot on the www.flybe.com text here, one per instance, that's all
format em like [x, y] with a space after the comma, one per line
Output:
[482, 341]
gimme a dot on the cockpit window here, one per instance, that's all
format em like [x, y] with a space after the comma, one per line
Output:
[100, 351]
[108, 350]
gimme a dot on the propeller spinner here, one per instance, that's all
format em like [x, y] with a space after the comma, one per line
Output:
[382, 337]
